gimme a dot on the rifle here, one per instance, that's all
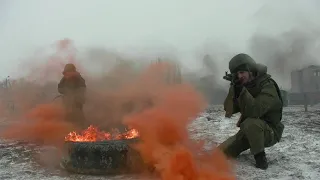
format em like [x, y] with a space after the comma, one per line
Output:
[230, 77]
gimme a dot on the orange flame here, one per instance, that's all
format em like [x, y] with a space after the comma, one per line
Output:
[92, 134]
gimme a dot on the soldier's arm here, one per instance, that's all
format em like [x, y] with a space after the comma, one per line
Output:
[257, 107]
[61, 86]
[236, 107]
[81, 89]
[229, 105]
[81, 84]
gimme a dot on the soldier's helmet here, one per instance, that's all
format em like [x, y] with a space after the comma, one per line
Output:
[69, 68]
[242, 62]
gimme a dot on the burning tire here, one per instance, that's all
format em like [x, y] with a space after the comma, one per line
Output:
[106, 157]
[114, 156]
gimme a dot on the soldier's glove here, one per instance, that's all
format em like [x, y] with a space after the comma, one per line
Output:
[238, 123]
[237, 90]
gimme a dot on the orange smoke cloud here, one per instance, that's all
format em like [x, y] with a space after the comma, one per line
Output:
[36, 118]
[149, 101]
[44, 124]
[165, 141]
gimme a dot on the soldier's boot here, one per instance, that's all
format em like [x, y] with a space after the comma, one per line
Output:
[256, 130]
[261, 160]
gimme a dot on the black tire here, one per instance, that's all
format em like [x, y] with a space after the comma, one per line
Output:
[101, 158]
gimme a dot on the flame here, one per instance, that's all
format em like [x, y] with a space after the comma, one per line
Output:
[93, 134]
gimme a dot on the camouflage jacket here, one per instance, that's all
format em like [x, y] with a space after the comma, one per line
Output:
[73, 88]
[259, 99]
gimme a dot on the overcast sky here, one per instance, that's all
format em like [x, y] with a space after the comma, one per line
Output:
[127, 25]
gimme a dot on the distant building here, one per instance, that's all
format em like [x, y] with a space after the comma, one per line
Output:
[305, 83]
[306, 80]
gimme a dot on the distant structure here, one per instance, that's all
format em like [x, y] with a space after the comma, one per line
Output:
[207, 81]
[305, 86]
[5, 84]
[174, 75]
[6, 94]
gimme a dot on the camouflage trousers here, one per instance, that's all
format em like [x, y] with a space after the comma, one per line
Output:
[254, 134]
[75, 115]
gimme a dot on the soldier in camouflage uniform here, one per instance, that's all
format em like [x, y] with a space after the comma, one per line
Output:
[73, 87]
[257, 97]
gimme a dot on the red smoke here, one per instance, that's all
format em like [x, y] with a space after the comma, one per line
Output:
[165, 139]
[146, 100]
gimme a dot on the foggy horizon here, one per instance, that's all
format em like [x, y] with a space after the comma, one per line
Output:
[184, 29]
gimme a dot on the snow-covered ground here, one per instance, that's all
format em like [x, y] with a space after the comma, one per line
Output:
[297, 156]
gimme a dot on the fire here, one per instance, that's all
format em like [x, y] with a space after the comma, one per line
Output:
[92, 134]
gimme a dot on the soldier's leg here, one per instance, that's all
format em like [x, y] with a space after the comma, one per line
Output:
[254, 131]
[234, 145]
[68, 107]
[258, 133]
[68, 112]
[79, 117]
[259, 136]
[269, 137]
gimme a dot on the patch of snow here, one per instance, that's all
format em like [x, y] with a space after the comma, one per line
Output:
[296, 156]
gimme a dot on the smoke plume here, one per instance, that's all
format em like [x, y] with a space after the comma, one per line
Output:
[288, 51]
[150, 98]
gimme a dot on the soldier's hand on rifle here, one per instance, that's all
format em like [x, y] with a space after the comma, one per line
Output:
[232, 77]
[237, 89]
[235, 82]
[229, 77]
[237, 85]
